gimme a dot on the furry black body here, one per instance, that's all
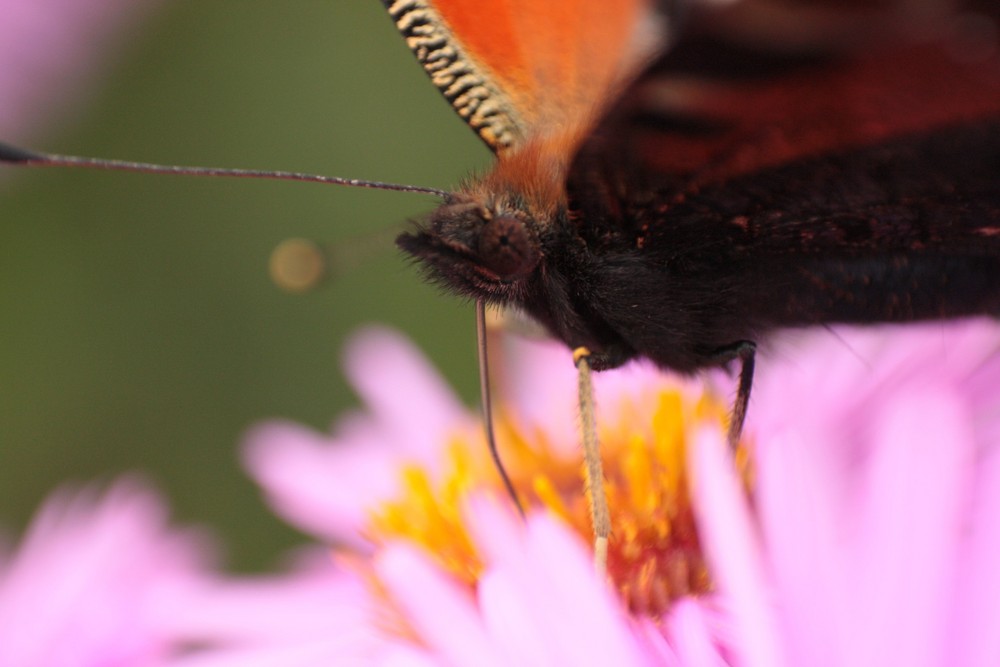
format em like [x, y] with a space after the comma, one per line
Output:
[902, 231]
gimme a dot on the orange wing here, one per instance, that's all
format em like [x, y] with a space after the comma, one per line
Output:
[518, 69]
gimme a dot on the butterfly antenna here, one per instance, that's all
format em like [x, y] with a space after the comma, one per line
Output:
[26, 158]
[487, 404]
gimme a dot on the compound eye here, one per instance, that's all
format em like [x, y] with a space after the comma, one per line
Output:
[506, 247]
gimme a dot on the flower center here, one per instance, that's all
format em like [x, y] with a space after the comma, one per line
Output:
[654, 553]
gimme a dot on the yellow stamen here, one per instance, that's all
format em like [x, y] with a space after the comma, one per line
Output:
[654, 555]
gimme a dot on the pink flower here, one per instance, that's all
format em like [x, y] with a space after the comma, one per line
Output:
[417, 605]
[876, 517]
[99, 580]
[50, 50]
[868, 537]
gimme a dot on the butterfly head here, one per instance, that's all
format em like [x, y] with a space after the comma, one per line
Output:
[479, 246]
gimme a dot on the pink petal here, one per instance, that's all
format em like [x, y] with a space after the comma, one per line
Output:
[690, 636]
[406, 656]
[310, 617]
[51, 51]
[975, 629]
[800, 496]
[405, 393]
[319, 484]
[305, 654]
[735, 557]
[327, 485]
[918, 490]
[97, 580]
[552, 584]
[654, 639]
[293, 607]
[441, 612]
[512, 623]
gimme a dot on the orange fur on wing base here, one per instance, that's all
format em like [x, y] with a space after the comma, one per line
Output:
[537, 173]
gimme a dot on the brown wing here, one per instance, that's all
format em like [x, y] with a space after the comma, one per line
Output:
[721, 105]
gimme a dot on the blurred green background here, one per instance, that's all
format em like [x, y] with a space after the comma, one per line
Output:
[139, 327]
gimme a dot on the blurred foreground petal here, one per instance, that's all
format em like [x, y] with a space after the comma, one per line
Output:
[51, 51]
[99, 580]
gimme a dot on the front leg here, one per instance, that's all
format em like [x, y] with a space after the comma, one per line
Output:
[746, 352]
[600, 515]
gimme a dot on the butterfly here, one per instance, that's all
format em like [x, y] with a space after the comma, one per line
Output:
[677, 195]
[675, 187]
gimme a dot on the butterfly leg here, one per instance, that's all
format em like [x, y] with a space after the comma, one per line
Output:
[746, 352]
[599, 514]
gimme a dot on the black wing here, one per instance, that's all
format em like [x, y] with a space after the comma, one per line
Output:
[763, 185]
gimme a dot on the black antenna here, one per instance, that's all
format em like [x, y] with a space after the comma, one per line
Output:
[27, 158]
[22, 157]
